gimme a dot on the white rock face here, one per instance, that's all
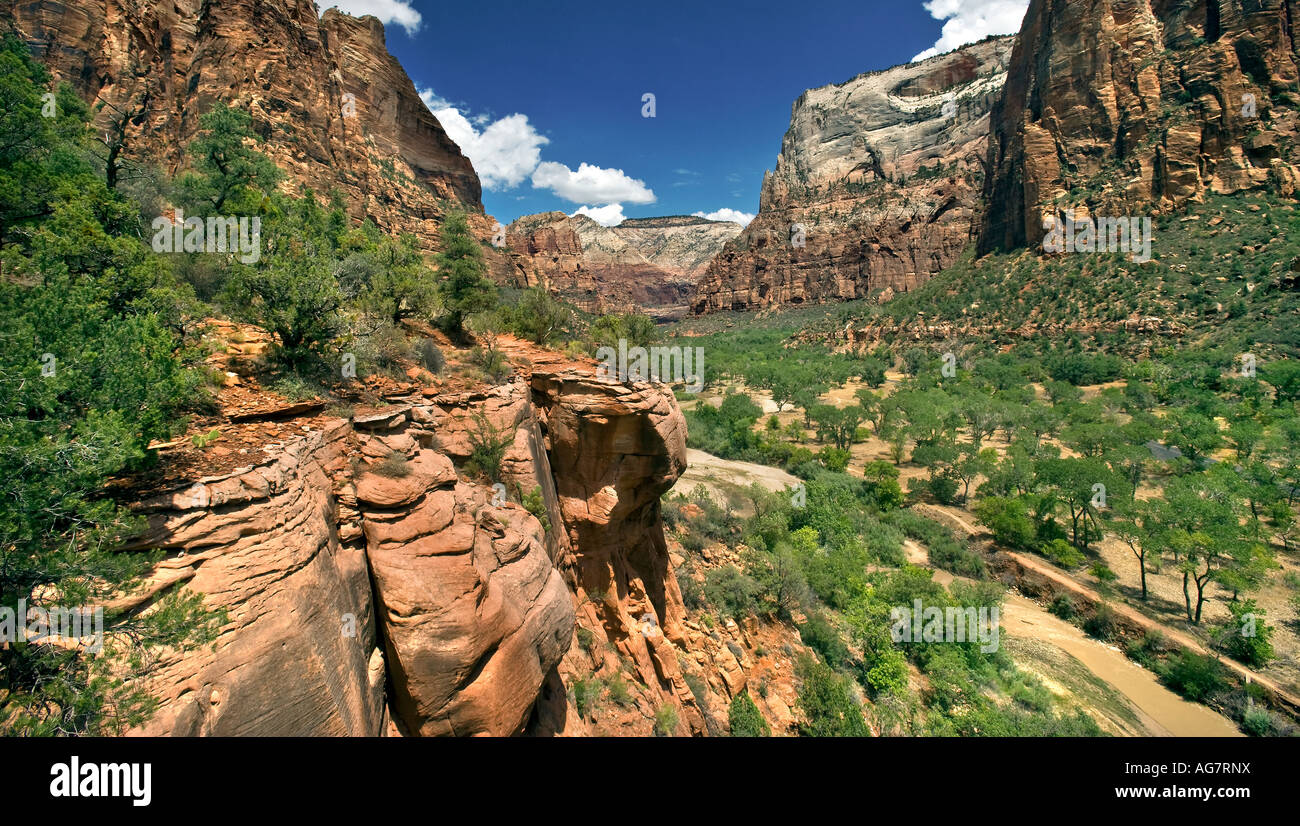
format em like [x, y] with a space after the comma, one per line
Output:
[883, 174]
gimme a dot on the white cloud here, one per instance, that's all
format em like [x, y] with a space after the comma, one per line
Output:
[591, 184]
[967, 21]
[504, 152]
[388, 11]
[727, 214]
[610, 215]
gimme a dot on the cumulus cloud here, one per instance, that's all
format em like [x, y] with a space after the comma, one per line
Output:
[727, 214]
[388, 11]
[610, 215]
[504, 152]
[591, 184]
[966, 21]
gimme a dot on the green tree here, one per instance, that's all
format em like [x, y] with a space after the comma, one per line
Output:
[745, 719]
[465, 287]
[539, 317]
[228, 176]
[828, 706]
[92, 371]
[291, 291]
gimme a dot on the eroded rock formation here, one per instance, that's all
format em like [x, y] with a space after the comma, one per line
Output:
[883, 174]
[374, 584]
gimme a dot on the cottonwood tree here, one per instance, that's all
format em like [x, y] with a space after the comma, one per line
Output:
[1137, 524]
[1203, 522]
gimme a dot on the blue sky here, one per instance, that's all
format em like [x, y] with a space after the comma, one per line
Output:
[548, 99]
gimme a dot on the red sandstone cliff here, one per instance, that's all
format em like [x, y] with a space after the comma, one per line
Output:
[1133, 106]
[335, 109]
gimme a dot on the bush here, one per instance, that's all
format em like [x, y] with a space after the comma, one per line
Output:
[586, 693]
[819, 635]
[538, 317]
[430, 356]
[534, 504]
[834, 458]
[488, 446]
[1008, 519]
[1063, 606]
[1245, 636]
[745, 719]
[827, 702]
[665, 720]
[1197, 677]
[731, 592]
[394, 466]
[1063, 553]
[943, 488]
[1101, 623]
[617, 689]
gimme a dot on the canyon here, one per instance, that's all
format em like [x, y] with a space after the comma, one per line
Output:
[375, 578]
[651, 264]
[876, 187]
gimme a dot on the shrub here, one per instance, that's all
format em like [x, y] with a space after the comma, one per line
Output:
[943, 488]
[1195, 676]
[745, 719]
[534, 504]
[834, 458]
[1101, 623]
[617, 689]
[827, 702]
[1063, 553]
[488, 445]
[732, 592]
[665, 720]
[1245, 636]
[819, 635]
[1063, 606]
[430, 356]
[394, 466]
[586, 693]
[1008, 519]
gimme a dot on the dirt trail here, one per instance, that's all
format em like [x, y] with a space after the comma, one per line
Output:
[1065, 581]
[1160, 712]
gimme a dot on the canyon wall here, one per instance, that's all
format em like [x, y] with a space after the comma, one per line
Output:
[334, 109]
[883, 174]
[650, 264]
[1123, 107]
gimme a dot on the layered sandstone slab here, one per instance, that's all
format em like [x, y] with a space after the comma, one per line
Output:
[299, 655]
[1132, 106]
[883, 174]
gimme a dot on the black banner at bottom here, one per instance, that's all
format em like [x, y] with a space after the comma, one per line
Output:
[302, 776]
